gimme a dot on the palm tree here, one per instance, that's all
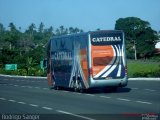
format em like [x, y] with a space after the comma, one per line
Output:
[30, 62]
[31, 30]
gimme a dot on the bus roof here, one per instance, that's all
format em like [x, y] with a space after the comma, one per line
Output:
[85, 33]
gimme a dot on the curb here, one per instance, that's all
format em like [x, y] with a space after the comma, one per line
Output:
[144, 79]
[37, 77]
[16, 76]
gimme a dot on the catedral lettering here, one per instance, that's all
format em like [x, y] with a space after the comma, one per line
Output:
[103, 39]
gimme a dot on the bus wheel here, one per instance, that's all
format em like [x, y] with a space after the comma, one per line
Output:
[72, 84]
[56, 88]
[52, 86]
[80, 88]
[76, 87]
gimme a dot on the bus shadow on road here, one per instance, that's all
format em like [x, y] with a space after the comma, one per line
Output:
[108, 90]
[100, 90]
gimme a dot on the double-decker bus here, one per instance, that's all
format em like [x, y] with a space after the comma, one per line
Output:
[87, 60]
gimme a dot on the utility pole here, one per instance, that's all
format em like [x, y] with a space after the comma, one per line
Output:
[135, 50]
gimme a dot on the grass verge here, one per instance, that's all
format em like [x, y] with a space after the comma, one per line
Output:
[143, 69]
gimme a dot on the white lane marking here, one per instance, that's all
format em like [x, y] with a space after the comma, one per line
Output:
[145, 89]
[135, 88]
[123, 99]
[30, 87]
[45, 88]
[65, 91]
[47, 108]
[105, 97]
[33, 105]
[143, 102]
[78, 93]
[37, 87]
[21, 103]
[27, 86]
[79, 116]
[150, 90]
[2, 99]
[89, 95]
[11, 100]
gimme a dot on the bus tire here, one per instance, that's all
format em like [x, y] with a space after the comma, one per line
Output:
[81, 90]
[56, 88]
[75, 86]
[72, 84]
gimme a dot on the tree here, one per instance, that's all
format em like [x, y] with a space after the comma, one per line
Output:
[71, 30]
[2, 29]
[41, 27]
[29, 64]
[48, 33]
[2, 33]
[61, 30]
[12, 27]
[31, 30]
[76, 30]
[27, 48]
[158, 35]
[138, 34]
[12, 36]
[98, 29]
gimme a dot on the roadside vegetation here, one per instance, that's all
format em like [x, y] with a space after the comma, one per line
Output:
[27, 48]
[143, 68]
[35, 71]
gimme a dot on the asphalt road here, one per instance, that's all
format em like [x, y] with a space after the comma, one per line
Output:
[31, 98]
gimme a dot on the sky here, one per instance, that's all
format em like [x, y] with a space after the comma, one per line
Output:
[84, 14]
